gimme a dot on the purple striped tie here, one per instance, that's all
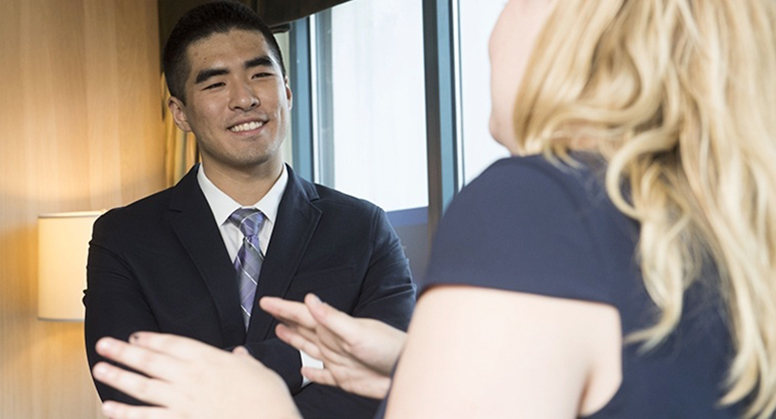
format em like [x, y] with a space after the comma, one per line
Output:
[248, 261]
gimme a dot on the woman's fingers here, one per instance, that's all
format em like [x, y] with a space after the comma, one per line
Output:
[298, 341]
[323, 345]
[340, 325]
[173, 346]
[138, 386]
[288, 312]
[139, 358]
[320, 376]
[198, 388]
[115, 410]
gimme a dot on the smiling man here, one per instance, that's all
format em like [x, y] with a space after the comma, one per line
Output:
[194, 259]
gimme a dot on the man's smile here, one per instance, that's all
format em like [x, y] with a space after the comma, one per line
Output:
[247, 126]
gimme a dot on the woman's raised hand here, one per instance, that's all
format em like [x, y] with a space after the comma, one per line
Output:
[358, 354]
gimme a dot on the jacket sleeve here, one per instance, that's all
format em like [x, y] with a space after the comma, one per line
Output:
[115, 305]
[387, 294]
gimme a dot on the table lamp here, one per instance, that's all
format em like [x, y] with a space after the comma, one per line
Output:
[63, 243]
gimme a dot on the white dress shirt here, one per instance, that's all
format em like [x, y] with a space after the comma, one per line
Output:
[222, 206]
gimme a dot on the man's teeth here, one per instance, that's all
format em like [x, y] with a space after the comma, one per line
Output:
[246, 126]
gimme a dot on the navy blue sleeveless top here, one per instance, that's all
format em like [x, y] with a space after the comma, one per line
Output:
[531, 226]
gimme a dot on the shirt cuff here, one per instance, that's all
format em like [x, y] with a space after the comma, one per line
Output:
[308, 361]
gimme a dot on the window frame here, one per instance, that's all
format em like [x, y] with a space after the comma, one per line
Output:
[443, 104]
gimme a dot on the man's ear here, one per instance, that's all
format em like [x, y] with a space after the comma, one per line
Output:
[289, 94]
[177, 109]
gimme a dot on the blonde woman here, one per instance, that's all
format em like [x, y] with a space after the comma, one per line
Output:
[622, 266]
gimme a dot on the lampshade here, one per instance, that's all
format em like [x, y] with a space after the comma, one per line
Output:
[63, 243]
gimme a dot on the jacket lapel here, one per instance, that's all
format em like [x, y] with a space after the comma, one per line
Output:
[193, 223]
[295, 225]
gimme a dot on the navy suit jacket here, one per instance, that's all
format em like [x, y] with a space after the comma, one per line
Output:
[160, 264]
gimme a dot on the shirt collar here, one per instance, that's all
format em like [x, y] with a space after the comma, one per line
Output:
[222, 205]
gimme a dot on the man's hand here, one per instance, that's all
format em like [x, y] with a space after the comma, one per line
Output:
[358, 354]
[189, 379]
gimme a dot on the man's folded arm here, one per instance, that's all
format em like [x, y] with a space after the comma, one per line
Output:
[115, 305]
[388, 292]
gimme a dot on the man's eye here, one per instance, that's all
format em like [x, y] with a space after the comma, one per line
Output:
[214, 85]
[260, 75]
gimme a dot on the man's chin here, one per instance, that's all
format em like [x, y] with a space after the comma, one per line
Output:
[252, 163]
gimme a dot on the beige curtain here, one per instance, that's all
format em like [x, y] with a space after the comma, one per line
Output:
[181, 147]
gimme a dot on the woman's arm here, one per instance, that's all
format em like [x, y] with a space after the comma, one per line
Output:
[476, 352]
[471, 352]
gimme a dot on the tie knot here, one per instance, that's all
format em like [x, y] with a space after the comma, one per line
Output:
[248, 220]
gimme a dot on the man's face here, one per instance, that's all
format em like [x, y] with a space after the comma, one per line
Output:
[237, 101]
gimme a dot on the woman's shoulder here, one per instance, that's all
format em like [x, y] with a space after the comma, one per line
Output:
[576, 178]
[522, 191]
[533, 225]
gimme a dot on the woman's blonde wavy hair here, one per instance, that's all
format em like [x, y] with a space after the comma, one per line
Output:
[679, 97]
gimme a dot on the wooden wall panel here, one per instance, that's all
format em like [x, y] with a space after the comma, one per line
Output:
[80, 129]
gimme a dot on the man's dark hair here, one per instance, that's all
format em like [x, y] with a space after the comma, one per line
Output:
[201, 22]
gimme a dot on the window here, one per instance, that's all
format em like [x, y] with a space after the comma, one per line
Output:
[371, 130]
[477, 19]
[362, 125]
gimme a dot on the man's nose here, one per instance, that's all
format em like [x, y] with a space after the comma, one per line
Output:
[244, 98]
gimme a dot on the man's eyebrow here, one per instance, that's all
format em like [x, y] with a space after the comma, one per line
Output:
[208, 73]
[263, 61]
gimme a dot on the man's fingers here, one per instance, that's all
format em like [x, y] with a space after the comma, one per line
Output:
[289, 312]
[320, 376]
[298, 341]
[142, 388]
